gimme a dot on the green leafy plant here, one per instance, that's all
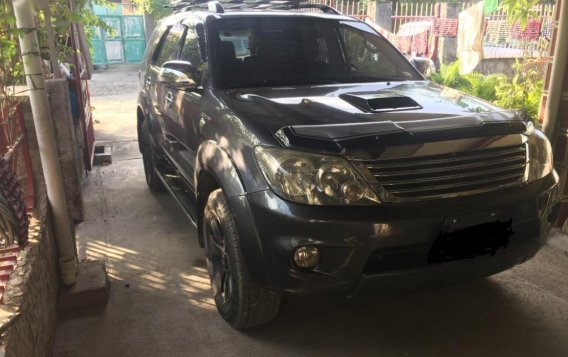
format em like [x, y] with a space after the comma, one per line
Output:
[520, 10]
[483, 86]
[523, 91]
[449, 75]
[63, 17]
[475, 83]
[11, 67]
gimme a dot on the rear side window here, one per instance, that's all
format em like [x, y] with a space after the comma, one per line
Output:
[169, 46]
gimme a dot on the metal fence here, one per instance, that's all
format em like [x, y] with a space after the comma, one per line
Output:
[413, 12]
[505, 39]
[502, 39]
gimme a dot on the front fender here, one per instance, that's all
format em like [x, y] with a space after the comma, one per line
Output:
[144, 113]
[214, 164]
[211, 158]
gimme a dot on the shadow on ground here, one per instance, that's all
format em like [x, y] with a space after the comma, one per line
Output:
[160, 302]
[469, 320]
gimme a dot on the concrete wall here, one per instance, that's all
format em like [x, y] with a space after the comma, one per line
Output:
[559, 135]
[448, 46]
[381, 13]
[497, 65]
[70, 154]
[32, 294]
[30, 299]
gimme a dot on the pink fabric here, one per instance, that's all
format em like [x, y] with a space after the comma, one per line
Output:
[446, 27]
[404, 44]
[420, 44]
[531, 32]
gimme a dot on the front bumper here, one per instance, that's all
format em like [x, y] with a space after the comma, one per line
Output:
[386, 246]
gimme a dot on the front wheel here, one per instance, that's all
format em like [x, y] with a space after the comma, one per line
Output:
[239, 300]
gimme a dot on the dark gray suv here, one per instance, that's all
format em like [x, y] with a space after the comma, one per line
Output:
[315, 159]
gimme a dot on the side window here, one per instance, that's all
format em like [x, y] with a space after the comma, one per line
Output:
[190, 51]
[323, 51]
[153, 43]
[169, 47]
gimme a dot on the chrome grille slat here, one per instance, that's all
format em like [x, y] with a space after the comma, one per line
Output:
[412, 162]
[444, 187]
[387, 174]
[451, 174]
[520, 168]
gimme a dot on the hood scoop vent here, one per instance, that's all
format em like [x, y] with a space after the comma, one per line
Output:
[384, 102]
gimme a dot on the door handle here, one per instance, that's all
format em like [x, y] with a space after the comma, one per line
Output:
[169, 99]
[148, 82]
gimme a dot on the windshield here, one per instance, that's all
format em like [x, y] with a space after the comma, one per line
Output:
[268, 51]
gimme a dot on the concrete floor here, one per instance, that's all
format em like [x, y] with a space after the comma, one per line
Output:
[160, 301]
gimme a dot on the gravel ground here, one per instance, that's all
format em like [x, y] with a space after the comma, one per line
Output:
[113, 98]
[114, 84]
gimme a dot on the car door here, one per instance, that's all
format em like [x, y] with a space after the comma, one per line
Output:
[187, 103]
[170, 50]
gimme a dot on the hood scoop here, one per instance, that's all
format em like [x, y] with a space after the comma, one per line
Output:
[383, 102]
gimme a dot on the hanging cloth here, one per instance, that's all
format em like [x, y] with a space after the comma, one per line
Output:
[470, 37]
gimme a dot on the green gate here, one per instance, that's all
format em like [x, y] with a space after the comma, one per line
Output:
[124, 44]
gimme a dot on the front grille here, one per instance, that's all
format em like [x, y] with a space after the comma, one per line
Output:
[451, 174]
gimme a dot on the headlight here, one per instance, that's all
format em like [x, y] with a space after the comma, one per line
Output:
[313, 179]
[539, 155]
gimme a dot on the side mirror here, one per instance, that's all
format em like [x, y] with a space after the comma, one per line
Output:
[178, 74]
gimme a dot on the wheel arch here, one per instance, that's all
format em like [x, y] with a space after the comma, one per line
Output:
[214, 163]
[214, 170]
[139, 120]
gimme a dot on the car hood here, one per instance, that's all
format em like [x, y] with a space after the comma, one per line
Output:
[344, 118]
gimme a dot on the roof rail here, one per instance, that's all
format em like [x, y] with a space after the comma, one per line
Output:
[220, 6]
[186, 5]
[324, 8]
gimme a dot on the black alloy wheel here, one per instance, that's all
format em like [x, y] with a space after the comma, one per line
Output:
[239, 300]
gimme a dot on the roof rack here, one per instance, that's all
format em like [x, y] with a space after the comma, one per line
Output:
[220, 6]
[187, 5]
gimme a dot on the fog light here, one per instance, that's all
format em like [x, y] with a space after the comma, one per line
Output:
[307, 257]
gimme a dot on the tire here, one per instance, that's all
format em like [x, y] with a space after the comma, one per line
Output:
[149, 159]
[240, 301]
